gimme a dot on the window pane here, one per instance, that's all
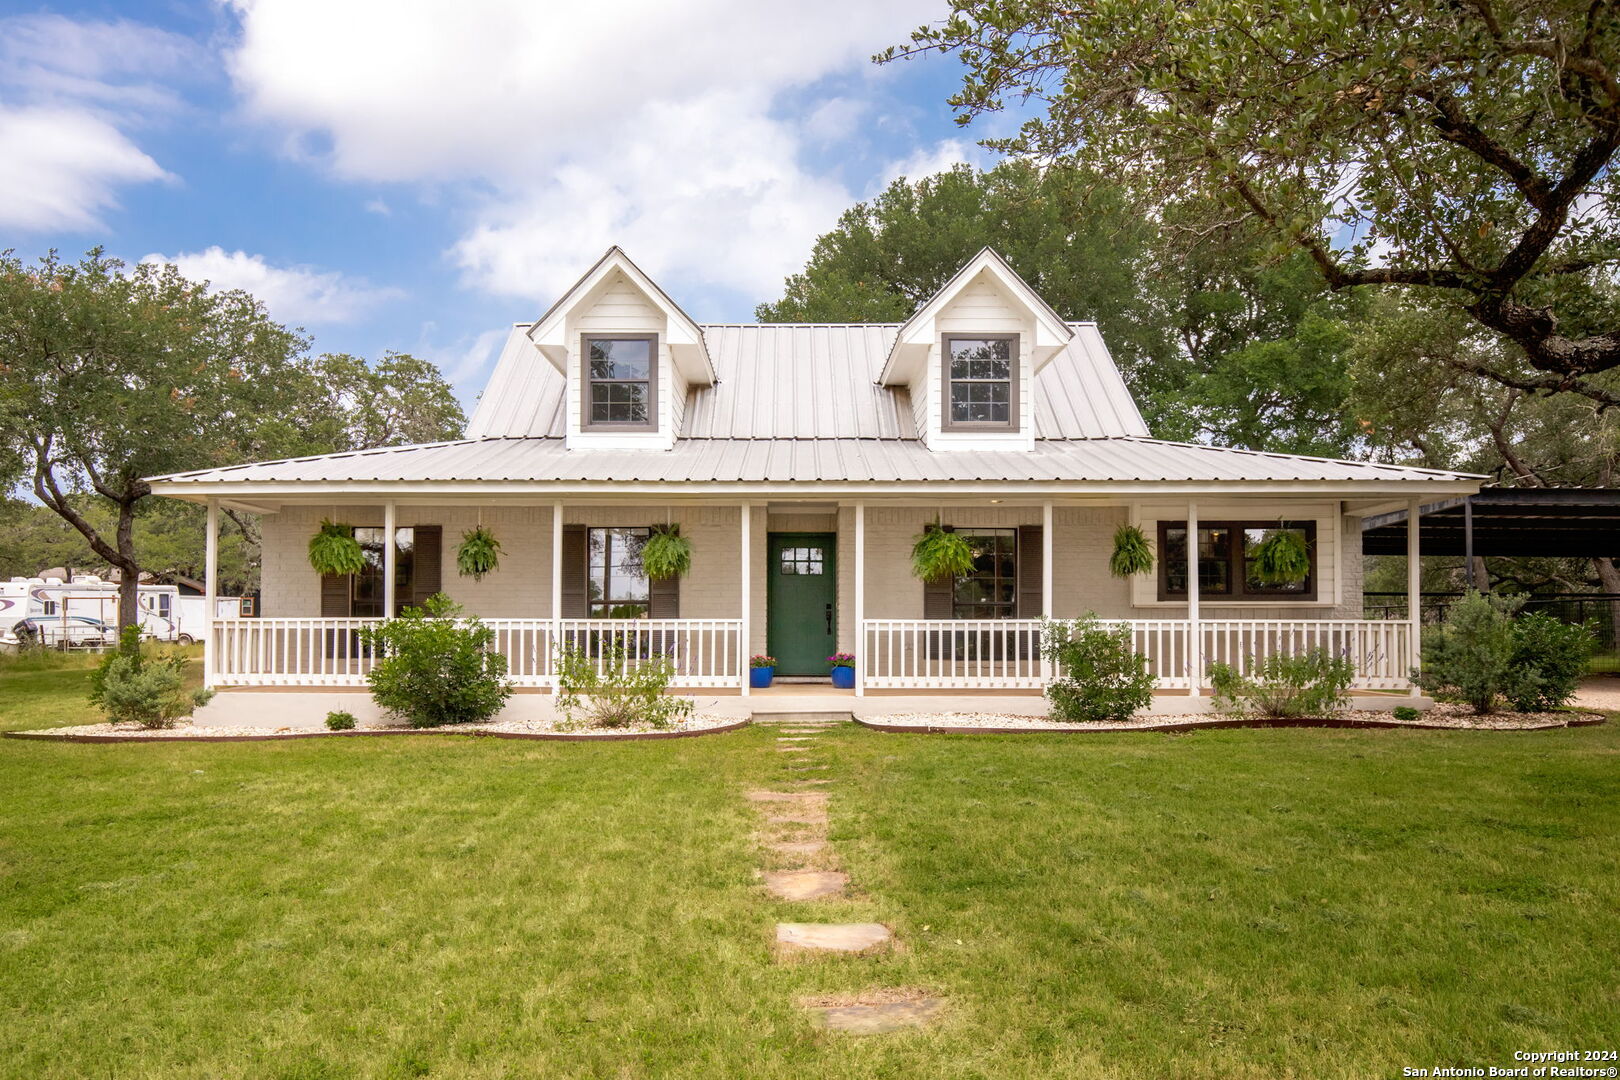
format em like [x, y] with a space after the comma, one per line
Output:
[980, 349]
[990, 591]
[613, 359]
[617, 585]
[1214, 560]
[1251, 574]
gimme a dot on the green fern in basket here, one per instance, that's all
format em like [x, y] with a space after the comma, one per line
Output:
[666, 553]
[479, 553]
[1132, 555]
[939, 555]
[334, 550]
[1282, 557]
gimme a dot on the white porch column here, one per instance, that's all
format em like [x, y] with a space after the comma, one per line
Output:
[556, 592]
[860, 600]
[1195, 633]
[390, 557]
[1414, 584]
[747, 581]
[1048, 522]
[210, 593]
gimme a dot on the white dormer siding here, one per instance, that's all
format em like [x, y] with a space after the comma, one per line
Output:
[618, 306]
[982, 307]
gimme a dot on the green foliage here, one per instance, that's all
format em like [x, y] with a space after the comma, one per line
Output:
[1281, 686]
[606, 686]
[666, 554]
[399, 399]
[436, 668]
[1465, 151]
[334, 550]
[479, 553]
[1098, 675]
[340, 721]
[1469, 657]
[937, 554]
[1282, 557]
[1405, 713]
[133, 687]
[1549, 660]
[760, 660]
[1132, 553]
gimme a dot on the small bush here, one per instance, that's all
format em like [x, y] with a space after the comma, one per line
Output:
[1405, 712]
[614, 689]
[1549, 658]
[340, 721]
[1469, 657]
[1098, 677]
[133, 687]
[436, 668]
[1283, 686]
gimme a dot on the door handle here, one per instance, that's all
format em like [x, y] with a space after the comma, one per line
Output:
[829, 619]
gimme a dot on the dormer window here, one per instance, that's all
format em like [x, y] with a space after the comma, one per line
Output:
[619, 382]
[980, 383]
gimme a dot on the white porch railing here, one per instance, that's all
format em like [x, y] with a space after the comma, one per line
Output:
[328, 652]
[912, 654]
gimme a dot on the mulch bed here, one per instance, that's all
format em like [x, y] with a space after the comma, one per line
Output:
[1439, 718]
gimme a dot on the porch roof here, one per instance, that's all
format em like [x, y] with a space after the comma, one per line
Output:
[529, 462]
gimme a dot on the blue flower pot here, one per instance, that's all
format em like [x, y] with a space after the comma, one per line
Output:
[759, 678]
[844, 678]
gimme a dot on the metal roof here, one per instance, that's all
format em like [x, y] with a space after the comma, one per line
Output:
[812, 381]
[1549, 522]
[789, 461]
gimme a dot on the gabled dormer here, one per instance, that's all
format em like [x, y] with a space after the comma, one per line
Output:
[628, 356]
[969, 357]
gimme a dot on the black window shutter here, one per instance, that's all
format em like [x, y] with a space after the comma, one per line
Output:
[335, 596]
[1030, 564]
[573, 573]
[664, 599]
[939, 597]
[427, 562]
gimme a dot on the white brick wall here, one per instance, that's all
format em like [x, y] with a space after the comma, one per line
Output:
[521, 588]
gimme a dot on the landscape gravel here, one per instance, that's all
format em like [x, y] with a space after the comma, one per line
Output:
[1442, 715]
[699, 722]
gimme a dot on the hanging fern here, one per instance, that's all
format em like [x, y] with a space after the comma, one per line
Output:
[938, 555]
[479, 553]
[1132, 555]
[666, 553]
[334, 550]
[1282, 557]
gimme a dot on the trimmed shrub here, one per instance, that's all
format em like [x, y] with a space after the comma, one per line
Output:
[1284, 686]
[340, 721]
[436, 668]
[1405, 712]
[1098, 675]
[131, 686]
[1549, 658]
[1469, 657]
[614, 689]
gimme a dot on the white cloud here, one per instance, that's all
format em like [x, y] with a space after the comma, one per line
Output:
[467, 363]
[291, 294]
[926, 161]
[71, 90]
[377, 206]
[59, 168]
[665, 128]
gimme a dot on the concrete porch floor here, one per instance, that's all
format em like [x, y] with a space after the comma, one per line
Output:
[307, 709]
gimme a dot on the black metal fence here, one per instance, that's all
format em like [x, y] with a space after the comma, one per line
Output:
[1595, 609]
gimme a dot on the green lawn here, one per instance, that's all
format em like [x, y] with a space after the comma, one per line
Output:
[1233, 904]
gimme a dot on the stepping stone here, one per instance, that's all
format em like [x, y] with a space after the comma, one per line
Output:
[792, 749]
[807, 780]
[800, 797]
[804, 815]
[879, 1019]
[806, 884]
[798, 847]
[833, 937]
[793, 738]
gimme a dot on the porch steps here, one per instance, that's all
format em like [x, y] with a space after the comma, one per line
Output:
[800, 716]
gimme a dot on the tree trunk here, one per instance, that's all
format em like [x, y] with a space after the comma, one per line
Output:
[1609, 578]
[129, 573]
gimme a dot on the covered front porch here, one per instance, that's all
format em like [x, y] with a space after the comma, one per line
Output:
[801, 579]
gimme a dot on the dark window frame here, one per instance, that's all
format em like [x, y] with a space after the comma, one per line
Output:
[607, 600]
[1014, 362]
[405, 570]
[1240, 592]
[586, 383]
[1009, 606]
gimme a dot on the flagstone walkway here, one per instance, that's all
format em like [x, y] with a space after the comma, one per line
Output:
[796, 834]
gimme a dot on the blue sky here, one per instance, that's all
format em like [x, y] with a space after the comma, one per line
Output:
[419, 175]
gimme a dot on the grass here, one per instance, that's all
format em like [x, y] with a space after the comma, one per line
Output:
[1232, 904]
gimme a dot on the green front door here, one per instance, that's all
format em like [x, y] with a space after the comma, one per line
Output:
[801, 602]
